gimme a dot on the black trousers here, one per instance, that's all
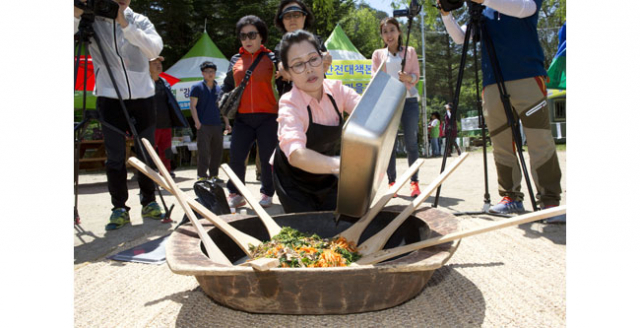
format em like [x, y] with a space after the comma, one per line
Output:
[209, 150]
[143, 116]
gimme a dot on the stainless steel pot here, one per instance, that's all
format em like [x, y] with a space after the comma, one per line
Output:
[368, 138]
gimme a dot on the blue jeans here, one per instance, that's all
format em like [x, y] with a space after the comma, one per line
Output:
[248, 129]
[409, 121]
[435, 146]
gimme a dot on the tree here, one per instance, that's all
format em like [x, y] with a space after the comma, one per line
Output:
[361, 26]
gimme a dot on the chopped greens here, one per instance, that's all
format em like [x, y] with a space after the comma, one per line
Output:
[295, 249]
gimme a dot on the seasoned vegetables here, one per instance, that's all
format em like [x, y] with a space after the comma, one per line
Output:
[295, 249]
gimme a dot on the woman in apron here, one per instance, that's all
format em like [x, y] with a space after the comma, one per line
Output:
[310, 119]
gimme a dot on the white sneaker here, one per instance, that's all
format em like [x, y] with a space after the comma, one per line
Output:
[265, 201]
[236, 200]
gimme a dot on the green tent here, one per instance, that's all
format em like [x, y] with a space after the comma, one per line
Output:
[341, 47]
[187, 69]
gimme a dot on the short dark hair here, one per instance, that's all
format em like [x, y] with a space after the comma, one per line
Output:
[292, 38]
[308, 22]
[208, 64]
[436, 114]
[255, 21]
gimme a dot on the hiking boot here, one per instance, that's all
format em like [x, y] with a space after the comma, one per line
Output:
[119, 217]
[391, 185]
[562, 218]
[265, 201]
[415, 189]
[152, 211]
[235, 200]
[507, 206]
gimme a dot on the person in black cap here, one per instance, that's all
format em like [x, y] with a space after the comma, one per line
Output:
[206, 116]
[294, 15]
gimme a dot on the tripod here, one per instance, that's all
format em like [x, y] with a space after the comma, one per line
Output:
[86, 33]
[480, 33]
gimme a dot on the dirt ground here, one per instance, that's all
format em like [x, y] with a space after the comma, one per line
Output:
[513, 304]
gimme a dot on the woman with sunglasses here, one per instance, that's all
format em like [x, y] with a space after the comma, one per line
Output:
[310, 121]
[293, 15]
[389, 60]
[255, 120]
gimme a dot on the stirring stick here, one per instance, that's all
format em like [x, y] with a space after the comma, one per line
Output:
[353, 232]
[268, 222]
[393, 252]
[377, 241]
[240, 238]
[215, 254]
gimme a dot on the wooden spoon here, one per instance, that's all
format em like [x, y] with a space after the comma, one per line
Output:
[526, 218]
[377, 241]
[215, 254]
[267, 220]
[240, 238]
[353, 233]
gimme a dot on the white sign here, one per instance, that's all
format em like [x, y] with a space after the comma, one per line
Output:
[470, 123]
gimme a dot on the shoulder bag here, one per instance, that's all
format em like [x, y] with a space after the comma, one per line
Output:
[230, 101]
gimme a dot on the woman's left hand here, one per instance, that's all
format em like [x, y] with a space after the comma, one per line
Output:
[404, 77]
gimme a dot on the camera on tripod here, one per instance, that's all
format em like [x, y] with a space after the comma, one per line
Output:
[104, 8]
[449, 5]
[412, 11]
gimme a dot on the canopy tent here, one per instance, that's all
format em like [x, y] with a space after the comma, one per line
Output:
[341, 47]
[558, 69]
[187, 69]
[348, 64]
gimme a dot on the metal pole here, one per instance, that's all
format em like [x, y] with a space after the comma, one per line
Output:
[424, 87]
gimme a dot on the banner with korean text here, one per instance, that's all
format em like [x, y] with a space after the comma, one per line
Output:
[355, 74]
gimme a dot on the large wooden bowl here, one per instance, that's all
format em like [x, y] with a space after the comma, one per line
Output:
[339, 290]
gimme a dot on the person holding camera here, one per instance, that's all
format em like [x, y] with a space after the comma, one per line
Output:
[206, 117]
[512, 24]
[389, 60]
[129, 41]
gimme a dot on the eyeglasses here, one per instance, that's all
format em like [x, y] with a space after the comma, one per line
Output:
[299, 67]
[293, 15]
[251, 35]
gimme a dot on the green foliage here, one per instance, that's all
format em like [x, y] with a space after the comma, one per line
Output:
[181, 22]
[362, 28]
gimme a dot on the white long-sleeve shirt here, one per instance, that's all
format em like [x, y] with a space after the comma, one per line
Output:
[128, 51]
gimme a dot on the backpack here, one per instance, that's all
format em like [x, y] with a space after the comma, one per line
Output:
[211, 196]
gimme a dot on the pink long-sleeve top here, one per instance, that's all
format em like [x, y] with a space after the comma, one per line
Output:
[293, 120]
[379, 57]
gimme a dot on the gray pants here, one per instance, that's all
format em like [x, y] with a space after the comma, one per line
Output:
[209, 150]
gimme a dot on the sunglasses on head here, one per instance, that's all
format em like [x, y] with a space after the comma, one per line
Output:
[251, 35]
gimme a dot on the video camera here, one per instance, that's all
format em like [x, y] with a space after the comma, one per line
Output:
[104, 8]
[412, 11]
[449, 5]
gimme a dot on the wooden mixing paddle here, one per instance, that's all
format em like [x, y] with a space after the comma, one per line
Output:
[377, 241]
[522, 219]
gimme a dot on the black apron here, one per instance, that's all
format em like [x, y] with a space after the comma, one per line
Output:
[299, 190]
